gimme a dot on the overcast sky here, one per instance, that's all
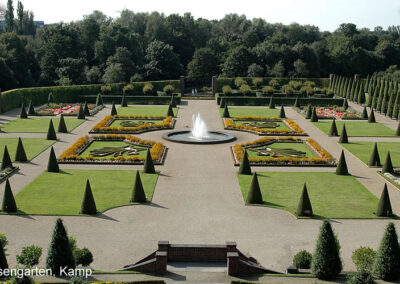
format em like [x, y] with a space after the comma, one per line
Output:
[326, 14]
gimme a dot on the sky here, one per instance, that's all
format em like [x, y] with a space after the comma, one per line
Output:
[326, 14]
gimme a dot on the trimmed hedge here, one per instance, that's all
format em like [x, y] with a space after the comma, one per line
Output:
[285, 101]
[143, 100]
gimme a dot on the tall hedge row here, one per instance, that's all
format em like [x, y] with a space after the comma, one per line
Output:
[251, 101]
[145, 100]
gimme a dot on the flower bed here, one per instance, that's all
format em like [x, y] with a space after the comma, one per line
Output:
[7, 172]
[394, 179]
[294, 129]
[333, 112]
[104, 126]
[65, 109]
[73, 153]
[324, 158]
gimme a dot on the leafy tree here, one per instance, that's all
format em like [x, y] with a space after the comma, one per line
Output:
[237, 62]
[203, 65]
[114, 73]
[29, 256]
[255, 70]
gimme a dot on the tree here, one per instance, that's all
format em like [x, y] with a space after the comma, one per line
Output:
[245, 168]
[300, 68]
[148, 167]
[326, 262]
[20, 155]
[9, 17]
[304, 207]
[203, 66]
[374, 160]
[88, 204]
[384, 206]
[278, 70]
[6, 162]
[254, 195]
[341, 168]
[114, 73]
[52, 165]
[255, 70]
[20, 19]
[138, 194]
[333, 130]
[388, 166]
[59, 253]
[29, 256]
[237, 62]
[8, 205]
[123, 57]
[51, 133]
[62, 127]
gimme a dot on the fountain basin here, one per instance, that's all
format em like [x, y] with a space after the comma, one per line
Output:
[213, 137]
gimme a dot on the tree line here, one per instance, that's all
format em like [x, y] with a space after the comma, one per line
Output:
[153, 46]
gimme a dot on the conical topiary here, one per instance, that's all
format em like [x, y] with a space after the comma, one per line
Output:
[81, 112]
[364, 114]
[371, 118]
[326, 262]
[254, 195]
[86, 110]
[3, 259]
[62, 127]
[124, 103]
[148, 167]
[397, 133]
[245, 168]
[304, 207]
[50, 98]
[173, 102]
[170, 111]
[282, 113]
[138, 194]
[113, 109]
[60, 254]
[271, 103]
[345, 104]
[226, 112]
[51, 133]
[88, 204]
[8, 204]
[23, 113]
[314, 116]
[297, 102]
[20, 155]
[99, 100]
[31, 109]
[309, 112]
[387, 259]
[52, 165]
[375, 160]
[6, 162]
[388, 166]
[384, 206]
[222, 103]
[341, 168]
[333, 130]
[343, 135]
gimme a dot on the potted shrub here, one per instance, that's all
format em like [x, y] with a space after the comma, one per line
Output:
[148, 89]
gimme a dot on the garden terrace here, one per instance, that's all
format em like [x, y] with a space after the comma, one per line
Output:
[145, 110]
[357, 128]
[292, 152]
[112, 149]
[130, 124]
[65, 109]
[331, 195]
[38, 124]
[32, 146]
[330, 112]
[61, 193]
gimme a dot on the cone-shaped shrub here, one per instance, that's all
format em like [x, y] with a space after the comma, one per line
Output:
[271, 103]
[371, 118]
[387, 259]
[148, 164]
[222, 103]
[20, 155]
[173, 103]
[282, 113]
[6, 162]
[345, 104]
[314, 116]
[254, 195]
[170, 111]
[51, 133]
[333, 130]
[384, 207]
[113, 109]
[81, 112]
[62, 127]
[86, 110]
[138, 194]
[397, 133]
[60, 251]
[50, 98]
[297, 103]
[88, 204]
[226, 112]
[309, 112]
[52, 165]
[245, 168]
[341, 168]
[388, 166]
[343, 135]
[8, 204]
[304, 207]
[31, 109]
[23, 113]
[326, 262]
[3, 259]
[375, 160]
[364, 114]
[99, 100]
[123, 101]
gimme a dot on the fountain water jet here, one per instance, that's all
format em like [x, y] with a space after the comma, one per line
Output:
[199, 127]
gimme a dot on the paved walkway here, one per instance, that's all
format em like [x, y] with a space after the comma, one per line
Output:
[197, 200]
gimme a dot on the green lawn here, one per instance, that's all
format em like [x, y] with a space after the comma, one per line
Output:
[363, 150]
[100, 144]
[32, 146]
[281, 124]
[145, 110]
[357, 128]
[62, 193]
[117, 122]
[251, 111]
[38, 124]
[296, 146]
[331, 196]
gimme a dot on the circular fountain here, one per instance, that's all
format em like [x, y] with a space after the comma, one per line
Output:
[199, 134]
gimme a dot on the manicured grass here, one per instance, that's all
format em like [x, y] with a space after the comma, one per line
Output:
[117, 123]
[32, 146]
[296, 146]
[357, 128]
[331, 196]
[145, 110]
[281, 124]
[251, 111]
[38, 124]
[62, 193]
[363, 150]
[100, 144]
